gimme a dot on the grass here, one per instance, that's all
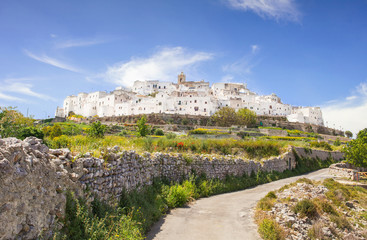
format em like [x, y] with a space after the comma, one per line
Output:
[248, 148]
[271, 230]
[307, 208]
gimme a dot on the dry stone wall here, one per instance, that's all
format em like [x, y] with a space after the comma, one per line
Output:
[33, 178]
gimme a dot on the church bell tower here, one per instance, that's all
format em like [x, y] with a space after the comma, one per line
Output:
[181, 78]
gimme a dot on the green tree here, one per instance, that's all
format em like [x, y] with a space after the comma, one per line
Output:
[349, 134]
[225, 117]
[246, 117]
[96, 129]
[12, 122]
[356, 151]
[143, 128]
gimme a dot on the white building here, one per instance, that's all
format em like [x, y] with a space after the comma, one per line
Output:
[183, 97]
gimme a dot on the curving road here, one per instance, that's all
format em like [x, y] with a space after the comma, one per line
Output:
[225, 216]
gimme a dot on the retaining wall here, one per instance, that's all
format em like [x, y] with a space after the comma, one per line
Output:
[33, 178]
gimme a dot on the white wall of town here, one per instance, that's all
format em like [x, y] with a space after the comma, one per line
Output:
[183, 97]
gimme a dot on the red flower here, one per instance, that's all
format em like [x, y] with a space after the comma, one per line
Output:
[180, 145]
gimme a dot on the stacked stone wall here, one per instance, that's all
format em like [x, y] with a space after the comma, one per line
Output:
[33, 178]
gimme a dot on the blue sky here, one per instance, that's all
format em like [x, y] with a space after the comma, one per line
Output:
[310, 53]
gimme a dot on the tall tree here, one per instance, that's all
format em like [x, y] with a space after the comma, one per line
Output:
[356, 151]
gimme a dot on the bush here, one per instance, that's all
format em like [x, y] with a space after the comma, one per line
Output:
[159, 132]
[322, 145]
[341, 222]
[97, 130]
[170, 135]
[306, 208]
[30, 132]
[143, 128]
[270, 230]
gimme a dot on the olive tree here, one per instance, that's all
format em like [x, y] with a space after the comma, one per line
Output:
[246, 117]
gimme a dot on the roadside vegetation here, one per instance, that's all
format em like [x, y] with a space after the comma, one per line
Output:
[138, 210]
[313, 210]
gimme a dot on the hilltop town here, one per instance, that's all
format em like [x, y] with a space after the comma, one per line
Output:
[183, 97]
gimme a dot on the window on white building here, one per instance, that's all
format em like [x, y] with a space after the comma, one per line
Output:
[196, 108]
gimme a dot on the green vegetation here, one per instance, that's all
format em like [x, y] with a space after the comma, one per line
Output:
[143, 128]
[333, 207]
[96, 130]
[356, 151]
[208, 131]
[270, 230]
[227, 117]
[321, 145]
[306, 208]
[349, 134]
[13, 123]
[139, 209]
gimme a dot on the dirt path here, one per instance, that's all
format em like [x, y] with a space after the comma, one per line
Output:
[226, 216]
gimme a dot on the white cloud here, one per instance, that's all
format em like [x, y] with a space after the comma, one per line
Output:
[277, 9]
[226, 78]
[162, 65]
[255, 48]
[243, 65]
[78, 43]
[51, 61]
[350, 114]
[10, 98]
[18, 86]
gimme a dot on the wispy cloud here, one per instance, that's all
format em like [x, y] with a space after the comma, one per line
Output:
[350, 113]
[244, 65]
[79, 43]
[162, 65]
[18, 86]
[51, 61]
[276, 9]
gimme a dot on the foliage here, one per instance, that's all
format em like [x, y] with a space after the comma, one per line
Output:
[207, 131]
[356, 151]
[30, 131]
[270, 230]
[225, 117]
[143, 128]
[306, 208]
[323, 145]
[246, 117]
[337, 142]
[159, 132]
[101, 222]
[349, 134]
[170, 135]
[12, 122]
[96, 130]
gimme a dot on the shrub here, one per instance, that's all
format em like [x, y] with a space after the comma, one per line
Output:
[55, 131]
[148, 144]
[323, 145]
[30, 132]
[158, 132]
[265, 204]
[337, 142]
[97, 130]
[306, 208]
[271, 194]
[270, 230]
[170, 135]
[143, 128]
[341, 222]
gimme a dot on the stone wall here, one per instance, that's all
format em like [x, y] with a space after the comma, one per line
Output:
[33, 178]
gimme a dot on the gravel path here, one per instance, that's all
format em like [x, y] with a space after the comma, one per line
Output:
[226, 216]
